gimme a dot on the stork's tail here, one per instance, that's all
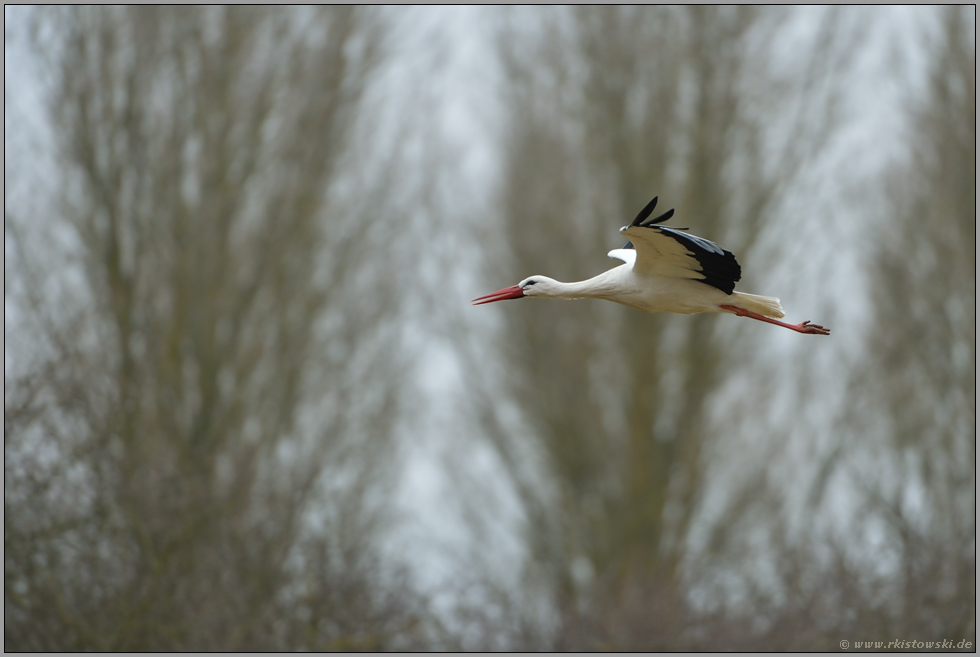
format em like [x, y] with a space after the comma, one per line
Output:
[768, 306]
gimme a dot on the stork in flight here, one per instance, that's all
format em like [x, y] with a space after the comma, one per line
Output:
[665, 271]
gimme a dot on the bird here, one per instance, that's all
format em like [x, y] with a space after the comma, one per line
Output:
[664, 269]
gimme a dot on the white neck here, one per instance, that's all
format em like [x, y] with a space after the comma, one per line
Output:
[597, 287]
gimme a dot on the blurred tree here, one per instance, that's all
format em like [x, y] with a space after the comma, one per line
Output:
[190, 465]
[610, 106]
[913, 398]
[888, 542]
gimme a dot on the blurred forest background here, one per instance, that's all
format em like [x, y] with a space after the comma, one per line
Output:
[247, 405]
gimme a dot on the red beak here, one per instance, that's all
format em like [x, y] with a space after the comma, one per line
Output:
[514, 292]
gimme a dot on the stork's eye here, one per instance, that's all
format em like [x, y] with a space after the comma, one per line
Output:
[530, 283]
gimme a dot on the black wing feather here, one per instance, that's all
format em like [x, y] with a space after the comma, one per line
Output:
[720, 268]
[645, 212]
[662, 218]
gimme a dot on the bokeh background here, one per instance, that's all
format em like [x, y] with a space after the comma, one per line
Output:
[248, 406]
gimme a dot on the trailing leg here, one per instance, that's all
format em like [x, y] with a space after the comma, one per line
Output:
[805, 327]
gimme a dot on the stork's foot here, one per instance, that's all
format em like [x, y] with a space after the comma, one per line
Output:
[805, 327]
[815, 329]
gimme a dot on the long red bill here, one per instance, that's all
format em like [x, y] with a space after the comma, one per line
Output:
[513, 292]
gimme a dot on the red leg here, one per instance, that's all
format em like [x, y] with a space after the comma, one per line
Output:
[805, 327]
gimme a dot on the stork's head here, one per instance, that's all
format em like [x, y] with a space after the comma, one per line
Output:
[533, 286]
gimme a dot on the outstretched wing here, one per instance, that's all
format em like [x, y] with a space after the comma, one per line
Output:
[669, 252]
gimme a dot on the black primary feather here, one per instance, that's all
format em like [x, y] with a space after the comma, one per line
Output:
[645, 212]
[662, 218]
[720, 268]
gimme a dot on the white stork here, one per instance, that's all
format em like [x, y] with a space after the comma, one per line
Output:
[665, 271]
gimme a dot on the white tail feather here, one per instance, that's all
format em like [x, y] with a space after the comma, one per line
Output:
[768, 306]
